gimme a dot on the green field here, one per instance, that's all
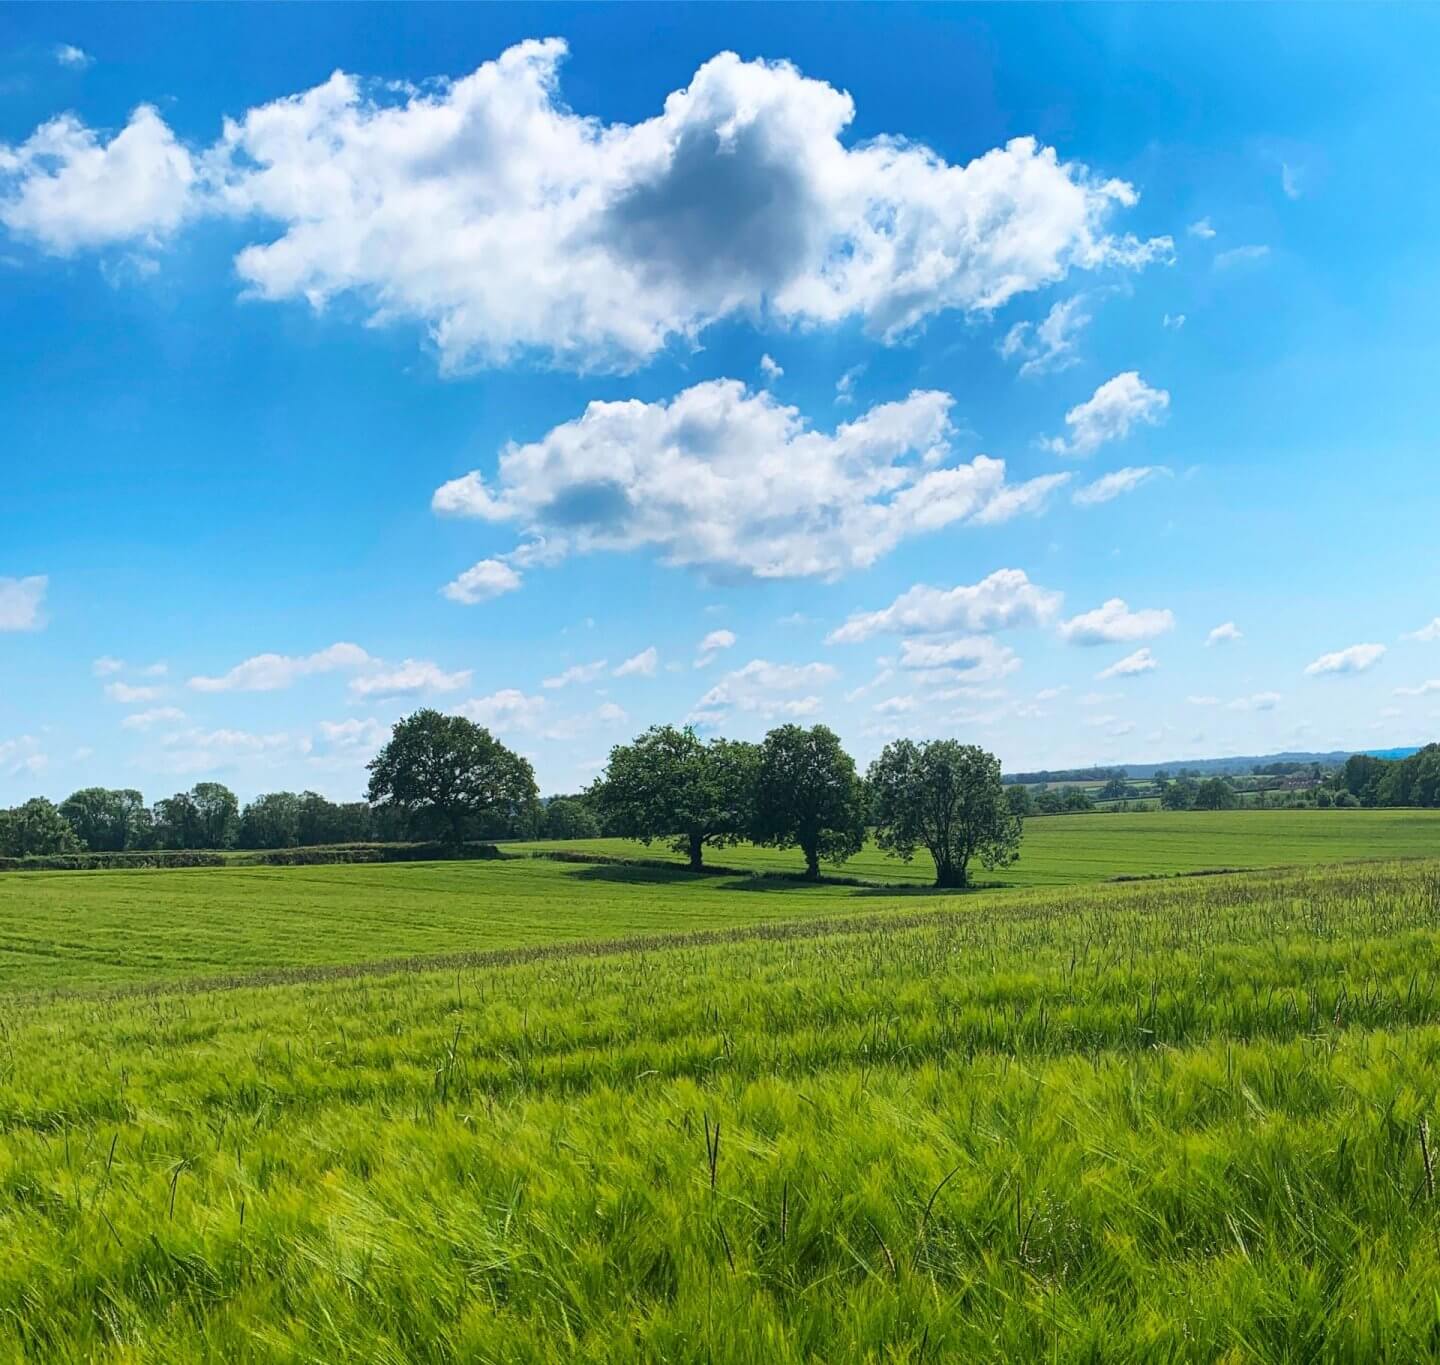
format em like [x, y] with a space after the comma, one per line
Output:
[576, 1112]
[63, 929]
[1061, 849]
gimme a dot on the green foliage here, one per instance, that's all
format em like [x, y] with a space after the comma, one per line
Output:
[670, 784]
[1412, 781]
[452, 768]
[567, 817]
[1215, 793]
[1018, 799]
[807, 795]
[36, 829]
[109, 821]
[946, 797]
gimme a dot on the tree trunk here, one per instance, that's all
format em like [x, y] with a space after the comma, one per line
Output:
[457, 828]
[951, 876]
[812, 863]
[697, 852]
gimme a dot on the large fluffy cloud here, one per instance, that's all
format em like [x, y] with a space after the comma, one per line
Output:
[274, 672]
[1355, 659]
[766, 689]
[66, 189]
[734, 482]
[491, 213]
[1114, 623]
[1006, 598]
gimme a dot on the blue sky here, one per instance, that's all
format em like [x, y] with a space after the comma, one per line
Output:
[922, 371]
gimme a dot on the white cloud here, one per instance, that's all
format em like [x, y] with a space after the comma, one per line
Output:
[770, 369]
[157, 715]
[1426, 633]
[1291, 180]
[507, 710]
[1109, 414]
[66, 189]
[479, 583]
[576, 673]
[22, 755]
[195, 750]
[1355, 659]
[1004, 599]
[845, 385]
[641, 665]
[1203, 701]
[1114, 623]
[738, 198]
[1053, 343]
[1424, 689]
[20, 602]
[733, 482]
[106, 666]
[711, 645]
[1257, 701]
[354, 733]
[1141, 661]
[966, 659]
[1173, 321]
[1112, 485]
[76, 58]
[1224, 634]
[128, 695]
[1201, 229]
[1241, 255]
[272, 672]
[764, 688]
[409, 678]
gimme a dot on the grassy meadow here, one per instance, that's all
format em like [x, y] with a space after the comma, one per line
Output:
[1183, 1119]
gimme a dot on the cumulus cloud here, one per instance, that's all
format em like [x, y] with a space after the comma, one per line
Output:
[65, 188]
[711, 645]
[1224, 634]
[1051, 344]
[1355, 659]
[156, 715]
[641, 665]
[1110, 486]
[479, 583]
[21, 600]
[508, 710]
[1426, 633]
[770, 369]
[1004, 599]
[737, 198]
[735, 483]
[576, 673]
[765, 689]
[966, 659]
[409, 678]
[274, 672]
[1422, 690]
[107, 666]
[1114, 623]
[1257, 701]
[1141, 661]
[1109, 414]
[1201, 229]
[22, 755]
[354, 733]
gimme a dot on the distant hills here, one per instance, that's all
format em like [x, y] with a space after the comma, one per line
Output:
[1216, 767]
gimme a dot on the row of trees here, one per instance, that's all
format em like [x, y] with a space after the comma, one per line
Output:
[1412, 781]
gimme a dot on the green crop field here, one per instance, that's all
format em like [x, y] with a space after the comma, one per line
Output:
[531, 1110]
[1166, 1120]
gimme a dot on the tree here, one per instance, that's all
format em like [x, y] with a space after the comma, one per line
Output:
[1323, 800]
[1215, 793]
[36, 829]
[669, 784]
[807, 794]
[270, 821]
[1116, 789]
[217, 811]
[1018, 799]
[1076, 800]
[107, 821]
[567, 817]
[1049, 802]
[177, 822]
[453, 767]
[947, 797]
[1178, 795]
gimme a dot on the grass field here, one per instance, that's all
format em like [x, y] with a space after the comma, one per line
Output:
[1061, 849]
[63, 929]
[1166, 1120]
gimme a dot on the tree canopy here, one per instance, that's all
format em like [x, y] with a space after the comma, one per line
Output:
[668, 783]
[946, 797]
[453, 767]
[808, 795]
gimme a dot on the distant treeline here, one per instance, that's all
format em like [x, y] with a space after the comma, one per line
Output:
[1372, 781]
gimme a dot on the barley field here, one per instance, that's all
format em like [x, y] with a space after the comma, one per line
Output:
[1185, 1119]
